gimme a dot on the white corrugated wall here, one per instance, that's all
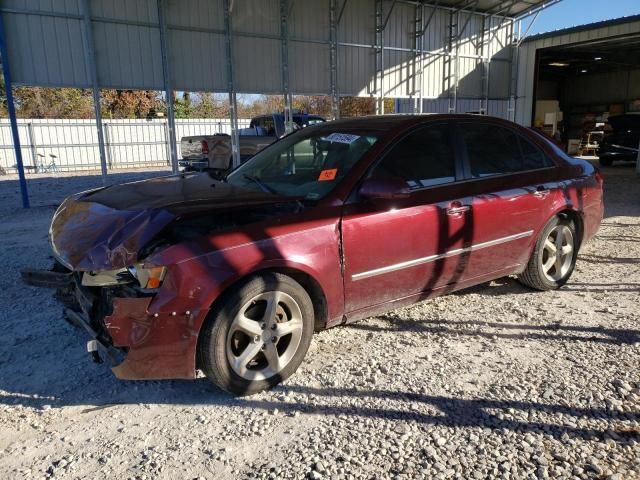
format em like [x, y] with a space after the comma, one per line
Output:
[47, 48]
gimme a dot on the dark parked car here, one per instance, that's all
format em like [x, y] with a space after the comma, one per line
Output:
[186, 272]
[623, 142]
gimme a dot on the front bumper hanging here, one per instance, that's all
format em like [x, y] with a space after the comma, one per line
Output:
[141, 343]
[47, 278]
[79, 304]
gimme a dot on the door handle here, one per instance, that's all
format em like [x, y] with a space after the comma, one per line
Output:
[541, 192]
[457, 210]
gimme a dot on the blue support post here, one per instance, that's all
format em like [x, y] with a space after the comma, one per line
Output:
[12, 114]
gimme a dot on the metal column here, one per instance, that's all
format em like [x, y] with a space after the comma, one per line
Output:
[233, 103]
[284, 36]
[425, 26]
[12, 115]
[513, 83]
[333, 59]
[168, 89]
[33, 146]
[379, 52]
[89, 57]
[452, 61]
[416, 93]
[485, 59]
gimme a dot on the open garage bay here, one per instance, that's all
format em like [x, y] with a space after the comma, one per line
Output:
[493, 382]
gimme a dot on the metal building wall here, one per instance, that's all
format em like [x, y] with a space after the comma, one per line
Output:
[527, 57]
[128, 54]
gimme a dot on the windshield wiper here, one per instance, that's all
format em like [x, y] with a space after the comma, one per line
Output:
[263, 186]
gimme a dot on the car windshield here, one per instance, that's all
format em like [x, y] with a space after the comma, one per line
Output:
[306, 164]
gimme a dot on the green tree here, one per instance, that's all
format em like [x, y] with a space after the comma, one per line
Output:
[210, 105]
[182, 106]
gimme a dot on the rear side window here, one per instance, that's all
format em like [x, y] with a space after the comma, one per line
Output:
[495, 150]
[423, 158]
[532, 156]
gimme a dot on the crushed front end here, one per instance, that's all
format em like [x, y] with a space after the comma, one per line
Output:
[133, 266]
[115, 312]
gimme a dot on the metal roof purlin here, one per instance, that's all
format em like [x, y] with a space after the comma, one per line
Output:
[512, 8]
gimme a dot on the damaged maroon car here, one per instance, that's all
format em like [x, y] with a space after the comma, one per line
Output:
[328, 225]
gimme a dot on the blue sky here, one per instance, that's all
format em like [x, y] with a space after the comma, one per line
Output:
[569, 13]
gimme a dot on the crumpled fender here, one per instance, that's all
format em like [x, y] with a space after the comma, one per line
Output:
[159, 345]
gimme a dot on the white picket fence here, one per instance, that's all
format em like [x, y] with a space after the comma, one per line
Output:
[68, 145]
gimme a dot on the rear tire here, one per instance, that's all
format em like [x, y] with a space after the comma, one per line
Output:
[605, 162]
[257, 335]
[554, 256]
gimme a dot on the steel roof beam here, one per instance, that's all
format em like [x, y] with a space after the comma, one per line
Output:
[344, 5]
[433, 12]
[386, 20]
[466, 23]
[536, 8]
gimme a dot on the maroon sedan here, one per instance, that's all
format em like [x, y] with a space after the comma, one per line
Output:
[331, 224]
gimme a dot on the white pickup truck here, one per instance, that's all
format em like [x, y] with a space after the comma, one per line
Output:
[213, 152]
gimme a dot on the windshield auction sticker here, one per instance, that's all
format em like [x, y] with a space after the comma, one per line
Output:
[326, 175]
[342, 138]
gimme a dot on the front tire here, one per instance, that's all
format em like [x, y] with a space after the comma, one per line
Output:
[257, 335]
[554, 256]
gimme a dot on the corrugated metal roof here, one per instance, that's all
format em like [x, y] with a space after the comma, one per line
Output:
[508, 8]
[582, 28]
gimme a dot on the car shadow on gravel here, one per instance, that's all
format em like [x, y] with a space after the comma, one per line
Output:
[600, 259]
[405, 406]
[510, 286]
[470, 412]
[549, 331]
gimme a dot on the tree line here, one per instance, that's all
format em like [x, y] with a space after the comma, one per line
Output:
[37, 102]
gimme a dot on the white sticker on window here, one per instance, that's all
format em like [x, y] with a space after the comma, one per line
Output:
[342, 138]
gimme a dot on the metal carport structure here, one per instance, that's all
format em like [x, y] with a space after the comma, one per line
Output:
[429, 49]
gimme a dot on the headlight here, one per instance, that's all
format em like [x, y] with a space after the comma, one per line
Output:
[148, 277]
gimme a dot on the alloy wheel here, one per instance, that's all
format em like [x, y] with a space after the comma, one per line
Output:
[264, 335]
[557, 253]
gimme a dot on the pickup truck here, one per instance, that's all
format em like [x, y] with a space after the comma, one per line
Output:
[213, 152]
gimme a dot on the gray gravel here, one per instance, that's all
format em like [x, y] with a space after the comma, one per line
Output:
[493, 382]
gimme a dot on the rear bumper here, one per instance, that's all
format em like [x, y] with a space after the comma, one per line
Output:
[195, 164]
[139, 344]
[621, 155]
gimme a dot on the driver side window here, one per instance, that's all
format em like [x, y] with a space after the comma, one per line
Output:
[423, 158]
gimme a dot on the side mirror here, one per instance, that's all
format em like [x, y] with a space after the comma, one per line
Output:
[384, 188]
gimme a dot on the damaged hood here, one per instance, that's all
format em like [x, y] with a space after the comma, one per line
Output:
[107, 228]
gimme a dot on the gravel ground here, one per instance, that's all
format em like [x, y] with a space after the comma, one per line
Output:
[493, 382]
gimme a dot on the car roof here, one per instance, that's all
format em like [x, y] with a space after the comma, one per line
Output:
[394, 121]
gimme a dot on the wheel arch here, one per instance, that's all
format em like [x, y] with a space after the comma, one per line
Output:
[577, 218]
[565, 212]
[307, 281]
